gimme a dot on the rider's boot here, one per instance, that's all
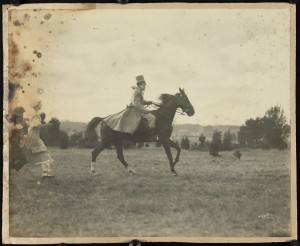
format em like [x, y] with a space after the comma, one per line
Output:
[152, 135]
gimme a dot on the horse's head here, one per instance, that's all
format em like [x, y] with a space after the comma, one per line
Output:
[184, 103]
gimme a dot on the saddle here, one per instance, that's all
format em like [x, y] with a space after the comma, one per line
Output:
[130, 121]
[144, 134]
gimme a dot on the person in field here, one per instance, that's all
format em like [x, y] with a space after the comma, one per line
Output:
[17, 128]
[33, 147]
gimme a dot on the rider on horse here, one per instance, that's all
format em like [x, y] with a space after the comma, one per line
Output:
[128, 120]
[139, 103]
[125, 125]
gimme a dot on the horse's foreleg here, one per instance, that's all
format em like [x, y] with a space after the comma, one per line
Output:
[120, 155]
[177, 147]
[166, 144]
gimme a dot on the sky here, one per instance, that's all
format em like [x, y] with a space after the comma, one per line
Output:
[234, 64]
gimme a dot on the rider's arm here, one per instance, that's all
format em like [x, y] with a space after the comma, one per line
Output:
[147, 102]
[138, 101]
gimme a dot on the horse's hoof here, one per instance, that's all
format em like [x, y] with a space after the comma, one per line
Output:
[130, 170]
[96, 173]
[174, 173]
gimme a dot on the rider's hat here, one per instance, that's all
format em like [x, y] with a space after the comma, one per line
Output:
[140, 80]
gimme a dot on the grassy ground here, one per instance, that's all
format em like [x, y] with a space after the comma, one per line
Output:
[211, 197]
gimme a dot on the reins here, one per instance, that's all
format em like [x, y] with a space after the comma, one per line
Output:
[178, 111]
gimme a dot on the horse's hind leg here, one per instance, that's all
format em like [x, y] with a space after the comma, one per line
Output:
[96, 152]
[119, 148]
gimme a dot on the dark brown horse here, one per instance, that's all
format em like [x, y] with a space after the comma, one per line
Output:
[164, 118]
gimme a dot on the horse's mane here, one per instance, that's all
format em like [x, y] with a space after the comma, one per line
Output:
[164, 98]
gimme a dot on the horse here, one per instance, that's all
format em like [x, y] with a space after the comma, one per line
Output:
[163, 127]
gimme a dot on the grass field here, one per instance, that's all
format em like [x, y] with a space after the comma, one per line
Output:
[220, 197]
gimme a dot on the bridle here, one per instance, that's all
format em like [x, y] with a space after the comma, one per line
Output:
[181, 104]
[179, 111]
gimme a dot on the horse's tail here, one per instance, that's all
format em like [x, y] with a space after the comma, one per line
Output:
[90, 129]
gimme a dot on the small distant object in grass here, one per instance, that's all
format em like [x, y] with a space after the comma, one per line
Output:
[214, 154]
[237, 154]
[155, 163]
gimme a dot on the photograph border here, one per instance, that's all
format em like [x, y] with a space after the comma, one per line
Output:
[5, 211]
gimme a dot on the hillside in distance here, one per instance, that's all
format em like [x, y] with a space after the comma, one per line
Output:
[70, 126]
[189, 130]
[207, 131]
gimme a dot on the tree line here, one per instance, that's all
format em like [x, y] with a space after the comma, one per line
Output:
[269, 131]
[53, 136]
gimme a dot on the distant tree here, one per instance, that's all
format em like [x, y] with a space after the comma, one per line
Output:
[227, 140]
[182, 143]
[63, 140]
[216, 143]
[271, 131]
[205, 146]
[233, 137]
[140, 145]
[75, 138]
[202, 140]
[185, 143]
[54, 125]
[195, 146]
[50, 133]
[241, 136]
[54, 132]
[251, 132]
[275, 128]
